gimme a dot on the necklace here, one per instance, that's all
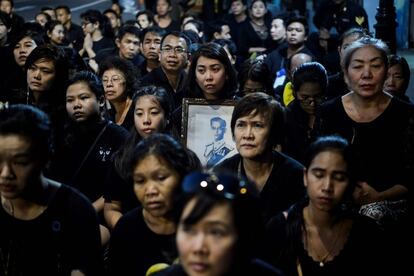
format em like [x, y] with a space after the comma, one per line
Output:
[125, 112]
[9, 207]
[312, 250]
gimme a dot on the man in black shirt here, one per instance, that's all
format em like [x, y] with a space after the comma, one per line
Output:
[74, 33]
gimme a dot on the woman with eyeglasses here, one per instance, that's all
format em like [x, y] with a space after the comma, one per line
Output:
[322, 234]
[145, 235]
[309, 82]
[219, 228]
[256, 125]
[98, 34]
[119, 80]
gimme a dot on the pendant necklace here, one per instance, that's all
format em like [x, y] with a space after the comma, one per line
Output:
[323, 259]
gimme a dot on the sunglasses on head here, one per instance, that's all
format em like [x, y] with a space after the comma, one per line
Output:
[226, 185]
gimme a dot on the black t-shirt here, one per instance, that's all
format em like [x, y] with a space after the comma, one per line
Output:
[134, 248]
[64, 237]
[90, 177]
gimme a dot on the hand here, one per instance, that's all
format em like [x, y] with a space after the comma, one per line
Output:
[364, 194]
[87, 42]
[94, 65]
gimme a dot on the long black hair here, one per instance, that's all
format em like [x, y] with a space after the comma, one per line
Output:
[213, 51]
[166, 103]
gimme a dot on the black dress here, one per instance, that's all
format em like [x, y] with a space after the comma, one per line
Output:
[383, 147]
[361, 254]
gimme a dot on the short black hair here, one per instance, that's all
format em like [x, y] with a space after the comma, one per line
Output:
[63, 7]
[266, 105]
[91, 79]
[299, 19]
[29, 122]
[128, 29]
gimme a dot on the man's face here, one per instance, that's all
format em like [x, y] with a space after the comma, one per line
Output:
[150, 47]
[62, 16]
[128, 46]
[219, 130]
[225, 33]
[237, 7]
[174, 54]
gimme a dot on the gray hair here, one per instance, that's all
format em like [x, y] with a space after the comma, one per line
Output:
[365, 41]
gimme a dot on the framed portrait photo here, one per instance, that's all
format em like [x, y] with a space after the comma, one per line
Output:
[206, 129]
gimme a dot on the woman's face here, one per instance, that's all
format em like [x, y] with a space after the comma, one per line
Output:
[162, 7]
[251, 134]
[394, 84]
[143, 21]
[40, 75]
[57, 35]
[22, 50]
[326, 180]
[210, 76]
[258, 9]
[278, 30]
[149, 116]
[366, 72]
[208, 246]
[20, 165]
[295, 34]
[154, 183]
[251, 86]
[309, 96]
[81, 102]
[114, 85]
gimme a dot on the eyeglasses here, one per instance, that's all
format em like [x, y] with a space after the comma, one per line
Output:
[308, 100]
[113, 79]
[176, 50]
[225, 185]
[84, 24]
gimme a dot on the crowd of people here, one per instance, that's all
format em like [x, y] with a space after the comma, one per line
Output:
[96, 178]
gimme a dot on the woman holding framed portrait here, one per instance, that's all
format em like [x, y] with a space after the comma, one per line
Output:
[211, 76]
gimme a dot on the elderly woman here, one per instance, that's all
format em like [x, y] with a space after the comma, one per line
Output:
[119, 80]
[256, 125]
[379, 126]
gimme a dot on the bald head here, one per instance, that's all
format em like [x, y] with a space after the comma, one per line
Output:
[296, 60]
